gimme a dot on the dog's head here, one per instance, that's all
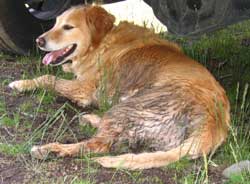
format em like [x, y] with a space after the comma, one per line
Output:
[74, 33]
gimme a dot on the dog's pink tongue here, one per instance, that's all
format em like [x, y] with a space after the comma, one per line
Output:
[52, 56]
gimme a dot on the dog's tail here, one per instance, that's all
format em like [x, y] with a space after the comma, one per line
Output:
[150, 160]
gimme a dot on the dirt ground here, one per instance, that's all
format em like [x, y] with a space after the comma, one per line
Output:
[21, 168]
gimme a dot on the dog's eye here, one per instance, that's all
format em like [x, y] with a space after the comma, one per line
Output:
[67, 27]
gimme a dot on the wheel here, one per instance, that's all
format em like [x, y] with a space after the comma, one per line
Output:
[21, 21]
[195, 17]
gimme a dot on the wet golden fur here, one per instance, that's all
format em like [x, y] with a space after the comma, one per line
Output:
[166, 100]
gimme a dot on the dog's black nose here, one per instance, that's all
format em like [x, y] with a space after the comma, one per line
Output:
[40, 41]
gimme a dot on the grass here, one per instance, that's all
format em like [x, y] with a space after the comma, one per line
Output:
[242, 178]
[12, 149]
[223, 53]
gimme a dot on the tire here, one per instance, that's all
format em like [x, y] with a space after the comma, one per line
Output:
[195, 17]
[19, 28]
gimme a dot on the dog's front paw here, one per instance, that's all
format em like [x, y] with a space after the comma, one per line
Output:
[52, 150]
[16, 85]
[38, 153]
[44, 152]
[22, 85]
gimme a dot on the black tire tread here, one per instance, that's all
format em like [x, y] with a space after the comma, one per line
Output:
[18, 28]
[6, 43]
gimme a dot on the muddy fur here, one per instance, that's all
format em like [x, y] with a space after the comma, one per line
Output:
[168, 106]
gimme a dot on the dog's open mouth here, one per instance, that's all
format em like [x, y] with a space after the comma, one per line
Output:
[58, 57]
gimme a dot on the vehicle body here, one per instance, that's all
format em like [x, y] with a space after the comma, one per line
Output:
[22, 21]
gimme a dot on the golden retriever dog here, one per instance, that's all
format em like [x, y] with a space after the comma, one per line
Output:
[167, 105]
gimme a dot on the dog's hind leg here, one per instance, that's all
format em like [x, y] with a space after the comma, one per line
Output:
[100, 143]
[75, 90]
[94, 145]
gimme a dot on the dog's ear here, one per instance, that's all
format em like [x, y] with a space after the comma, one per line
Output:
[99, 21]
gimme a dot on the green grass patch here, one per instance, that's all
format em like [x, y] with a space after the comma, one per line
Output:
[13, 149]
[11, 122]
[46, 97]
[83, 182]
[2, 107]
[88, 130]
[180, 165]
[243, 178]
